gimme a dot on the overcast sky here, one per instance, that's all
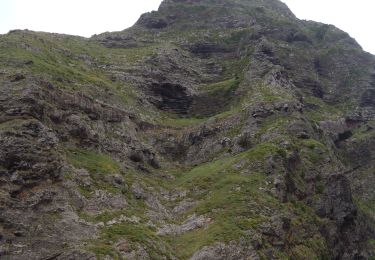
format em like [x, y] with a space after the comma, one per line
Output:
[88, 17]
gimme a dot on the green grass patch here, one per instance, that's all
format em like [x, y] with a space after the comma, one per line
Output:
[223, 85]
[321, 111]
[72, 63]
[261, 92]
[181, 121]
[233, 201]
[313, 144]
[314, 151]
[272, 123]
[233, 212]
[135, 234]
[92, 161]
[366, 206]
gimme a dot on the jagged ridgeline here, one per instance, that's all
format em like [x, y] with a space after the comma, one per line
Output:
[211, 129]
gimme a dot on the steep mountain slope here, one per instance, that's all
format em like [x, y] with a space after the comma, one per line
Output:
[211, 129]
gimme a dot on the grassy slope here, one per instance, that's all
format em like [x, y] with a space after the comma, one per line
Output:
[237, 201]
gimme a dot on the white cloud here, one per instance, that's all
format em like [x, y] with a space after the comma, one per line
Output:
[77, 17]
[353, 16]
[88, 17]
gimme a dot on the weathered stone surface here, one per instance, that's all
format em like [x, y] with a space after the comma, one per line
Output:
[233, 250]
[205, 117]
[193, 222]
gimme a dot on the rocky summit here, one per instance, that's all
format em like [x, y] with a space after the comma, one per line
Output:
[211, 129]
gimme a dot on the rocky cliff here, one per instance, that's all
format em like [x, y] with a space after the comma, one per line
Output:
[211, 129]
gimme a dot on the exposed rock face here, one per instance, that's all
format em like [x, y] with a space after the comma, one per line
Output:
[211, 129]
[235, 250]
[193, 222]
[368, 98]
[337, 205]
[172, 97]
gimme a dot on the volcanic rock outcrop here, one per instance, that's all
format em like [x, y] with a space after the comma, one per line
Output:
[211, 129]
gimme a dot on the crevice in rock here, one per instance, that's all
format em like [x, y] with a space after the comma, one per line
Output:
[204, 49]
[342, 137]
[368, 98]
[314, 86]
[171, 97]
